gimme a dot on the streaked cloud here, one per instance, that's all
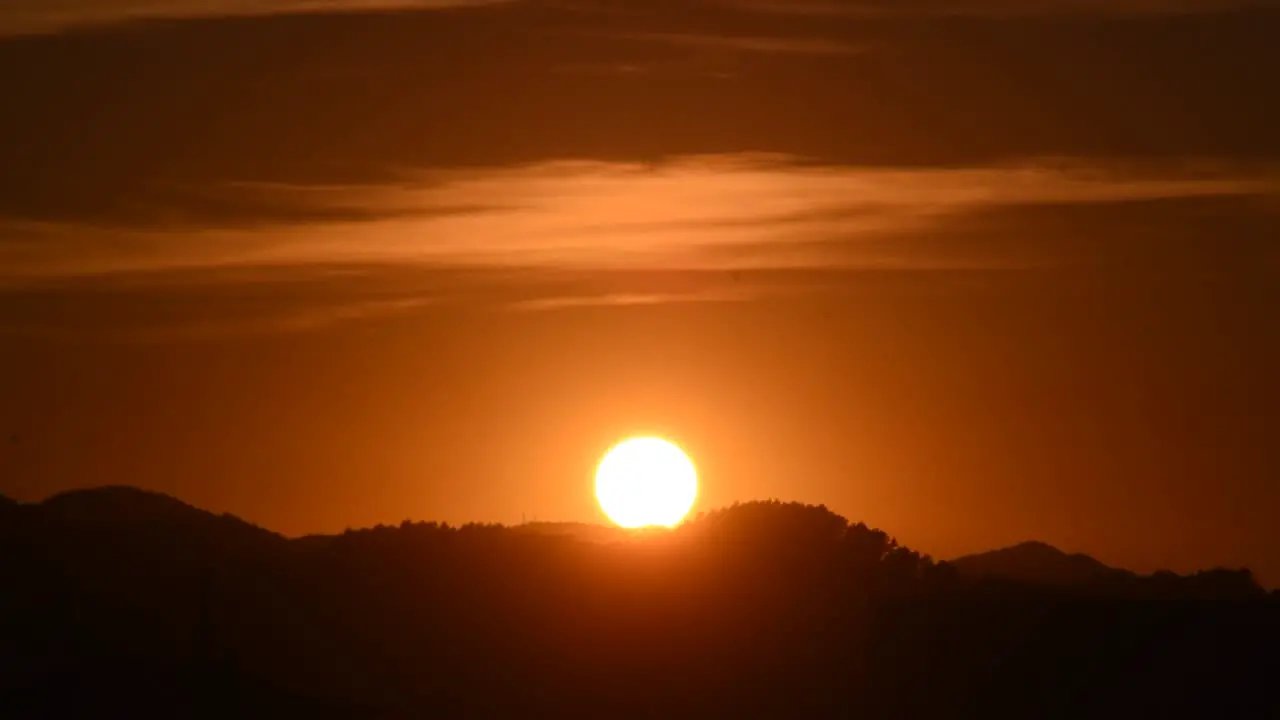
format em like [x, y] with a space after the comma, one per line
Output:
[717, 212]
[203, 259]
[146, 329]
[992, 7]
[722, 294]
[164, 125]
[751, 43]
[36, 16]
[213, 303]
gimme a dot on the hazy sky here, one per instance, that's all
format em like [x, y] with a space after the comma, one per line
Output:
[974, 272]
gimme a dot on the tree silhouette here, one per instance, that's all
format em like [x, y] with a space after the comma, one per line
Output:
[762, 608]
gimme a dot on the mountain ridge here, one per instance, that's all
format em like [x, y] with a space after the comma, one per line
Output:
[1030, 561]
[1036, 561]
[425, 618]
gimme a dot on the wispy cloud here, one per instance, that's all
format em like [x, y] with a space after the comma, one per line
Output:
[992, 7]
[688, 213]
[36, 16]
[751, 43]
[720, 294]
[204, 304]
[211, 303]
[575, 235]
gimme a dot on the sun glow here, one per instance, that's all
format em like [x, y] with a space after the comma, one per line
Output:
[646, 481]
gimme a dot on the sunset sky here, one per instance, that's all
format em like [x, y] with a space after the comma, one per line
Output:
[975, 272]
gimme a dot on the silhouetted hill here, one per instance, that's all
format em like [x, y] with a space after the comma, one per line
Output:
[133, 510]
[100, 537]
[577, 530]
[1035, 562]
[117, 602]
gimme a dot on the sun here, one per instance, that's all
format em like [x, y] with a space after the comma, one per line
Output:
[646, 481]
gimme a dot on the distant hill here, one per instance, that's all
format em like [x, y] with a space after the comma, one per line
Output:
[109, 501]
[141, 513]
[126, 569]
[120, 602]
[115, 538]
[580, 531]
[1035, 562]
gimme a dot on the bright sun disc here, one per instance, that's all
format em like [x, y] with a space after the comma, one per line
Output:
[646, 481]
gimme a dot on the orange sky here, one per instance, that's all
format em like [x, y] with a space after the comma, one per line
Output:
[960, 411]
[975, 276]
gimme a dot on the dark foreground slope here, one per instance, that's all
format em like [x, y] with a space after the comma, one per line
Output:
[120, 603]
